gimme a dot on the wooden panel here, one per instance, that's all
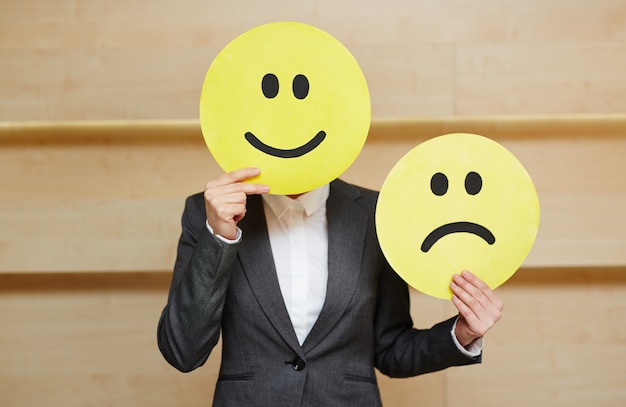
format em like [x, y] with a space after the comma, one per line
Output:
[409, 79]
[90, 84]
[540, 78]
[108, 195]
[560, 343]
[102, 160]
[557, 22]
[120, 235]
[78, 340]
[117, 23]
[89, 339]
[86, 59]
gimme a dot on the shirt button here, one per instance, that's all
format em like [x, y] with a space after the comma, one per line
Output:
[298, 365]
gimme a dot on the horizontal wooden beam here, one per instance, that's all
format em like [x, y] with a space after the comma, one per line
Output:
[382, 129]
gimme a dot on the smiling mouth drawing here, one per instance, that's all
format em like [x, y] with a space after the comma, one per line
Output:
[455, 227]
[290, 153]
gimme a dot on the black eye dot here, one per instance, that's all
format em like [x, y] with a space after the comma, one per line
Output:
[439, 184]
[473, 183]
[300, 86]
[269, 84]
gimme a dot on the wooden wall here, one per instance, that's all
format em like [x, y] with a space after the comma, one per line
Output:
[90, 217]
[100, 144]
[142, 59]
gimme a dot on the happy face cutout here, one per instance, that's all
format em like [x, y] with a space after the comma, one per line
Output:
[457, 202]
[287, 98]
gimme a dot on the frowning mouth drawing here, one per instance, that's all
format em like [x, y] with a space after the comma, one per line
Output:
[457, 227]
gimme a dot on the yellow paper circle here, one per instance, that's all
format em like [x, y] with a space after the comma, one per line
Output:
[290, 99]
[457, 202]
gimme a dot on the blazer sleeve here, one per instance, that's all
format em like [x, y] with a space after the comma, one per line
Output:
[402, 350]
[189, 326]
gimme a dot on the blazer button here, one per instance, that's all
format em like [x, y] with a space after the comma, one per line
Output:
[298, 365]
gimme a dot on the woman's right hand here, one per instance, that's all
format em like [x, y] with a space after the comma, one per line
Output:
[225, 200]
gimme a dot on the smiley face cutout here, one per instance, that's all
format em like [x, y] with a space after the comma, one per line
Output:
[457, 202]
[290, 99]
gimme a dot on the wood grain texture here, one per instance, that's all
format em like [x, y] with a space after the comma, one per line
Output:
[81, 340]
[77, 339]
[560, 343]
[108, 195]
[85, 59]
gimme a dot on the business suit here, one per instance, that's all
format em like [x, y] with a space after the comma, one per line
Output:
[364, 323]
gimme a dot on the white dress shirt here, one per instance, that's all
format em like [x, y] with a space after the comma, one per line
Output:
[299, 238]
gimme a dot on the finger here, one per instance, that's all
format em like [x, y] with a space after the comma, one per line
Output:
[232, 182]
[230, 213]
[474, 286]
[481, 313]
[479, 316]
[467, 292]
[227, 199]
[468, 305]
[235, 190]
[469, 324]
[463, 309]
[487, 294]
[239, 175]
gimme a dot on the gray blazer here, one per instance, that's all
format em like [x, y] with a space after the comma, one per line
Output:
[233, 289]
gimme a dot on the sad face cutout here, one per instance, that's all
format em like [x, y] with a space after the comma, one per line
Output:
[457, 202]
[287, 98]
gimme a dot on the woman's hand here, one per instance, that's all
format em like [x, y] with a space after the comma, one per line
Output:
[225, 200]
[479, 307]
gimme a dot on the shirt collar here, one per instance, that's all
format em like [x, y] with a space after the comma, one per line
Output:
[311, 201]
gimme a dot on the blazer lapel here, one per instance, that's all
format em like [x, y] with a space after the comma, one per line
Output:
[347, 224]
[257, 261]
